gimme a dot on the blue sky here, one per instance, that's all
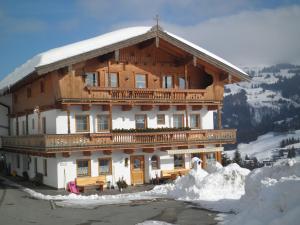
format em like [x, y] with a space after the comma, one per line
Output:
[246, 32]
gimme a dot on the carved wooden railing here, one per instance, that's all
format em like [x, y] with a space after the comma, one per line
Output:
[119, 140]
[150, 95]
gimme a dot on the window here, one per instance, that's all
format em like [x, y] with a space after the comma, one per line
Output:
[167, 82]
[18, 161]
[44, 128]
[83, 167]
[42, 86]
[35, 165]
[179, 161]
[28, 92]
[181, 83]
[140, 121]
[111, 80]
[210, 157]
[105, 166]
[82, 123]
[91, 79]
[178, 121]
[140, 81]
[103, 122]
[195, 121]
[155, 162]
[45, 167]
[23, 128]
[161, 119]
[32, 124]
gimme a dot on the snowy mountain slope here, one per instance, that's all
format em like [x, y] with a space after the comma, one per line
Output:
[270, 102]
[266, 145]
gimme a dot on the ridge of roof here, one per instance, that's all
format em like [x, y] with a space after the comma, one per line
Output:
[98, 42]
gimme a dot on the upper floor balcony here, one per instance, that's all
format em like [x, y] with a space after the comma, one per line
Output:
[143, 96]
[52, 143]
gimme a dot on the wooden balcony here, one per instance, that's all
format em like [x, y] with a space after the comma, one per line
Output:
[145, 95]
[109, 141]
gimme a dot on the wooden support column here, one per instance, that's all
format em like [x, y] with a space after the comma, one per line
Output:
[110, 117]
[27, 124]
[203, 158]
[219, 117]
[17, 125]
[185, 76]
[117, 55]
[68, 118]
[186, 117]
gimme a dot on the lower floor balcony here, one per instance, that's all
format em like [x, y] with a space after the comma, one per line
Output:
[53, 143]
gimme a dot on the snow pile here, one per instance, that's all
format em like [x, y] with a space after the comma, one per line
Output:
[154, 222]
[213, 167]
[225, 183]
[272, 196]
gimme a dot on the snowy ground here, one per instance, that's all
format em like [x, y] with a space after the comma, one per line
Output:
[264, 146]
[268, 195]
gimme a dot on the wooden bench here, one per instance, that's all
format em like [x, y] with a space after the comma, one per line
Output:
[173, 174]
[85, 183]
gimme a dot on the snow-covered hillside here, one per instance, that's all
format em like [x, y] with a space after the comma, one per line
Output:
[266, 145]
[270, 102]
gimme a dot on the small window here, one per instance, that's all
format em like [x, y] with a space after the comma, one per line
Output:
[105, 166]
[18, 161]
[179, 161]
[181, 83]
[161, 119]
[91, 79]
[167, 82]
[140, 121]
[178, 121]
[195, 121]
[103, 122]
[42, 86]
[155, 162]
[82, 123]
[140, 81]
[23, 128]
[83, 167]
[111, 80]
[44, 125]
[32, 124]
[45, 165]
[28, 92]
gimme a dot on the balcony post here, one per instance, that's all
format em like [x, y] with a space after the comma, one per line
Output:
[219, 111]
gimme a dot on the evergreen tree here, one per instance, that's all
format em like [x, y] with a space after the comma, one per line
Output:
[291, 153]
[225, 159]
[237, 158]
[247, 157]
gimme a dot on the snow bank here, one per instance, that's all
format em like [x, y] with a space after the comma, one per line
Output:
[154, 222]
[272, 196]
[223, 183]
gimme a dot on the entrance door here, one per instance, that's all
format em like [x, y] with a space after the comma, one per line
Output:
[137, 169]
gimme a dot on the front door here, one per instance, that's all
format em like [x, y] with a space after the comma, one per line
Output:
[137, 169]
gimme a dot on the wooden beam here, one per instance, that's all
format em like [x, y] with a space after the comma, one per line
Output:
[50, 155]
[163, 149]
[181, 107]
[107, 152]
[87, 153]
[126, 107]
[105, 107]
[196, 107]
[146, 107]
[164, 107]
[183, 147]
[148, 150]
[194, 61]
[157, 41]
[200, 146]
[86, 107]
[117, 55]
[69, 123]
[128, 151]
[65, 107]
[212, 107]
[219, 111]
[66, 154]
[186, 76]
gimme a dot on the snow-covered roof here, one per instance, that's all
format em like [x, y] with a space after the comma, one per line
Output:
[86, 46]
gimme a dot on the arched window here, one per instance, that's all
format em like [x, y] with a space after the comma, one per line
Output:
[155, 162]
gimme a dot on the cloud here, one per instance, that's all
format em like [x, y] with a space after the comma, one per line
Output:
[249, 38]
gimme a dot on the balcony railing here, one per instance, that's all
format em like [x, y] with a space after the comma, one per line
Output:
[145, 94]
[61, 142]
